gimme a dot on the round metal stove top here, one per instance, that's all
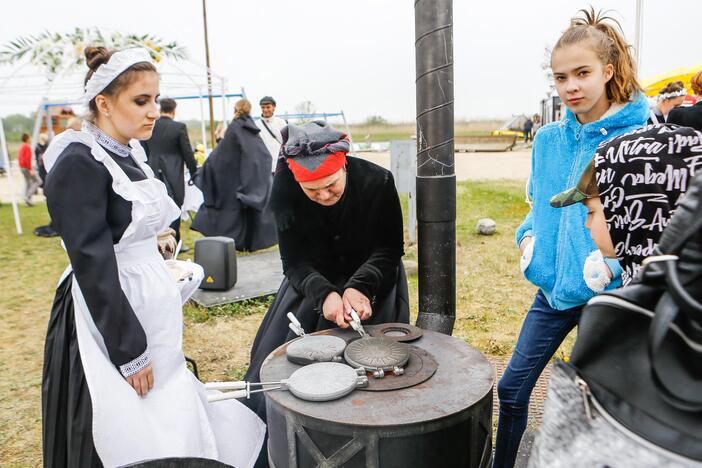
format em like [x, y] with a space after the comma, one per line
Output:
[376, 353]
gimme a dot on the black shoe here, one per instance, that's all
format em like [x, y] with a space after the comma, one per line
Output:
[184, 249]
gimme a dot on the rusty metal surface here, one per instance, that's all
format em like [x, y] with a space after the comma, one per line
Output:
[376, 352]
[463, 378]
[403, 332]
[420, 367]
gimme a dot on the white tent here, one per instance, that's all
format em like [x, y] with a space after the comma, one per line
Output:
[23, 85]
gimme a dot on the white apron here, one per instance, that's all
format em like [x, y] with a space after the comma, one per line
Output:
[174, 419]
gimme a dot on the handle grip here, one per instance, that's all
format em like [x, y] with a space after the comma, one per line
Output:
[236, 385]
[227, 396]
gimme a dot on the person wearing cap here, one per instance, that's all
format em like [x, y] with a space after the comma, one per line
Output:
[341, 241]
[631, 189]
[116, 390]
[271, 127]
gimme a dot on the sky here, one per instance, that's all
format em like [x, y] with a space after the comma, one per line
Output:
[358, 56]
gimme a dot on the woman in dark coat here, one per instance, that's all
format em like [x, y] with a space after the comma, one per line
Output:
[236, 184]
[341, 242]
[690, 116]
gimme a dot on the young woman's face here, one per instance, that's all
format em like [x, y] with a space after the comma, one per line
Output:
[580, 80]
[597, 224]
[328, 190]
[133, 112]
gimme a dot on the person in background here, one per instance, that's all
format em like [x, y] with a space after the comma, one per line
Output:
[670, 96]
[169, 152]
[31, 180]
[595, 77]
[39, 150]
[537, 124]
[199, 154]
[690, 116]
[270, 129]
[236, 186]
[528, 126]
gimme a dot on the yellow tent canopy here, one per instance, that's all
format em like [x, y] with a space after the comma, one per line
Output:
[653, 85]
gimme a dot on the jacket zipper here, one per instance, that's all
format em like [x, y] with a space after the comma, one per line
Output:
[562, 224]
[590, 402]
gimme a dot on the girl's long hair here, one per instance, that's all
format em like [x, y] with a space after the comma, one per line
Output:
[605, 35]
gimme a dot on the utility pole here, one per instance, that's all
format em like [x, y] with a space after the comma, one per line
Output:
[639, 33]
[209, 76]
[436, 176]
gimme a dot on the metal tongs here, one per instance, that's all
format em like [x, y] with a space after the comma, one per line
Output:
[356, 324]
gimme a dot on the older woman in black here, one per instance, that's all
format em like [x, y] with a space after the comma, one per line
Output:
[341, 241]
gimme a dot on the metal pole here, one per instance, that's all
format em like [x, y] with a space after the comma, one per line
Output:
[10, 183]
[436, 177]
[209, 74]
[639, 33]
[202, 121]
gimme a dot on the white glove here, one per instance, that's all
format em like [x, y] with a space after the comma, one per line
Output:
[525, 259]
[596, 272]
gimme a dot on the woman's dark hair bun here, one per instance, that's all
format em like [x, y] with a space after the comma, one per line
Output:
[96, 56]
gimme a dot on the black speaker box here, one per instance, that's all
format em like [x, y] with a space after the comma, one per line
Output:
[217, 257]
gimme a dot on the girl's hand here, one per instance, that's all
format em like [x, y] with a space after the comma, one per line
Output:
[142, 381]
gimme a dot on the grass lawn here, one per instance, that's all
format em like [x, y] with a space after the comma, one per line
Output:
[492, 297]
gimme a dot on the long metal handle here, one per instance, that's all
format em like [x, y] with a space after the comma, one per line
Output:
[246, 393]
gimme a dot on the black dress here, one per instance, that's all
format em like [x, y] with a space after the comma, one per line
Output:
[236, 183]
[356, 243]
[89, 229]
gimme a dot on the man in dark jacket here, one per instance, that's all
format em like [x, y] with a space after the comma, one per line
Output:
[169, 151]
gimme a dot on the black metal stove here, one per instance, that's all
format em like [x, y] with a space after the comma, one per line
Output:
[438, 413]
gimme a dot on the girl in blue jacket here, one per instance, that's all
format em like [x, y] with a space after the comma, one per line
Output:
[595, 77]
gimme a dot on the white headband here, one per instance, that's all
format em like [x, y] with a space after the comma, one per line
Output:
[107, 72]
[673, 94]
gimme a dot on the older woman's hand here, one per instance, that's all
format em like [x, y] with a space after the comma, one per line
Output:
[333, 310]
[356, 300]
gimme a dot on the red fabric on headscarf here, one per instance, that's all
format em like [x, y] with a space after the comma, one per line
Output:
[331, 165]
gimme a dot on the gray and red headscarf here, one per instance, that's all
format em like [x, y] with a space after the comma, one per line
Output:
[313, 150]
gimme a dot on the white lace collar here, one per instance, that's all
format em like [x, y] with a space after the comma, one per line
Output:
[106, 140]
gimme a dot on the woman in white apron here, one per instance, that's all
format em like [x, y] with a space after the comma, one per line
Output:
[116, 389]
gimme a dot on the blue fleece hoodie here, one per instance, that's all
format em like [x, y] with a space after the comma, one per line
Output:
[560, 153]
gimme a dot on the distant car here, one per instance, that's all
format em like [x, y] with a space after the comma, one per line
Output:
[513, 127]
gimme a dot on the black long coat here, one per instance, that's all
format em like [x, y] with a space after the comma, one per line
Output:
[236, 185]
[169, 151]
[357, 243]
[687, 116]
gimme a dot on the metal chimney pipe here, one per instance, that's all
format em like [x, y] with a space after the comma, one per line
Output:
[436, 177]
